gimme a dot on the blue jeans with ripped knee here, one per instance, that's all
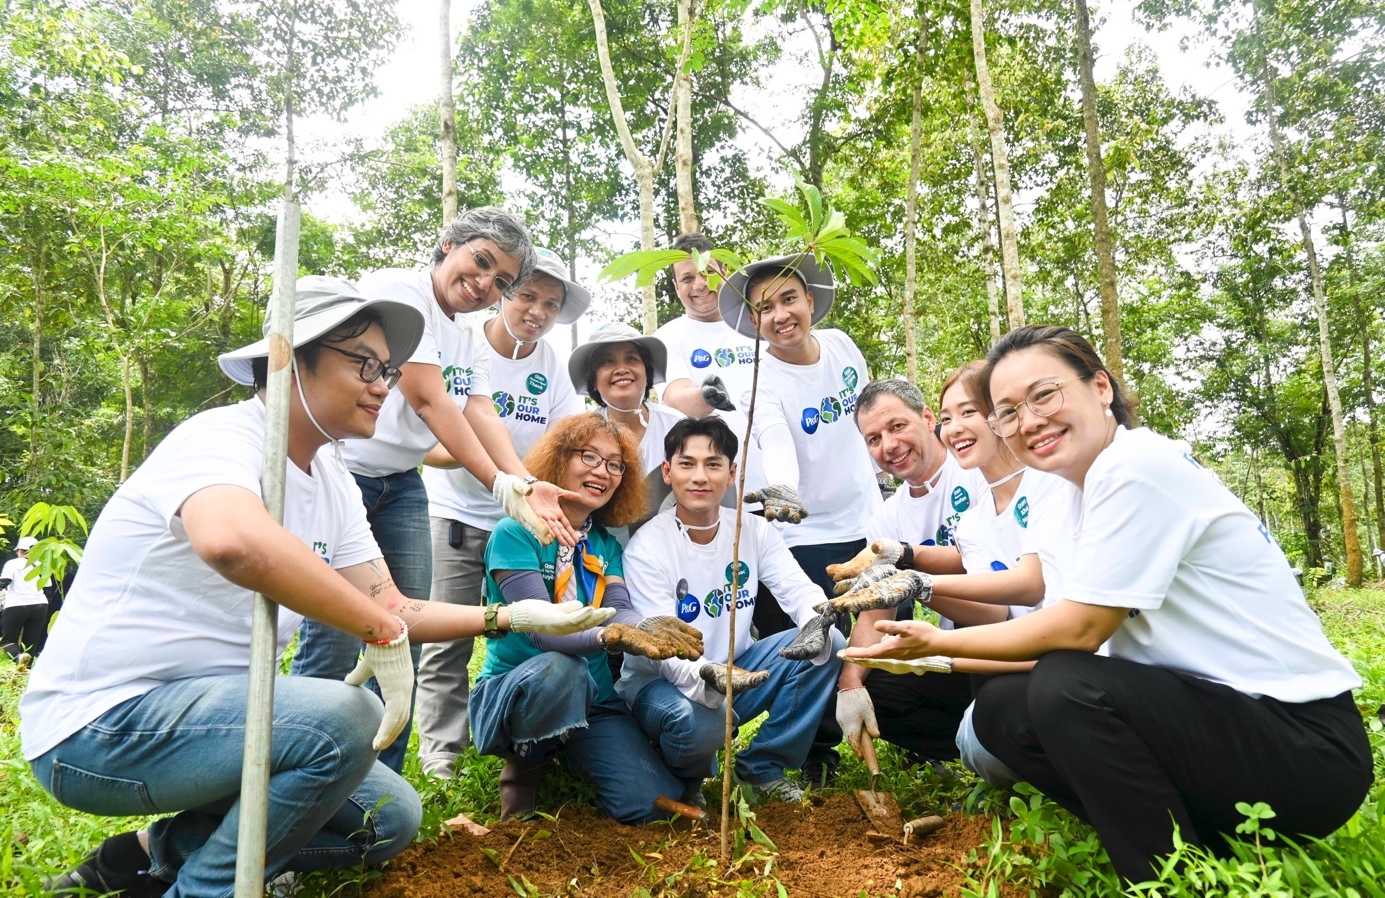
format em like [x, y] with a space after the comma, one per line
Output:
[178, 750]
[548, 705]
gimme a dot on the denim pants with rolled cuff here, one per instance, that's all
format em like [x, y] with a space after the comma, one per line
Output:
[977, 759]
[178, 750]
[548, 706]
[396, 506]
[689, 733]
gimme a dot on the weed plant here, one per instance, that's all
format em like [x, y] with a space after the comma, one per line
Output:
[1035, 847]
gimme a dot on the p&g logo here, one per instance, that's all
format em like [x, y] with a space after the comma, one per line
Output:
[810, 420]
[701, 358]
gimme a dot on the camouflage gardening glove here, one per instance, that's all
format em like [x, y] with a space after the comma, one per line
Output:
[872, 574]
[890, 592]
[882, 551]
[781, 503]
[715, 395]
[656, 638]
[814, 639]
[714, 675]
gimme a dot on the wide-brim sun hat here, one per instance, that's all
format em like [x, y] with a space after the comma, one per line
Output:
[320, 305]
[576, 298]
[582, 359]
[734, 305]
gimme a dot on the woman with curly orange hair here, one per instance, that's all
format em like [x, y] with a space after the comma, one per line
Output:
[537, 697]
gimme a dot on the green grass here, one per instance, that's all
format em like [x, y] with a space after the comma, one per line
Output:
[1035, 847]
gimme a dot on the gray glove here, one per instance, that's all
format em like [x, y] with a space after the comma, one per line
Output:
[814, 638]
[781, 503]
[890, 592]
[714, 675]
[715, 395]
[872, 575]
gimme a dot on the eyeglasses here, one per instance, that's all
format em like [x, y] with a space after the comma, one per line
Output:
[371, 367]
[1044, 400]
[487, 266]
[593, 460]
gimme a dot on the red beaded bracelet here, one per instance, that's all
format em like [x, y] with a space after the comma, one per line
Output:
[402, 629]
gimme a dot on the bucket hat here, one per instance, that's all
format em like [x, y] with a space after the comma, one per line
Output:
[735, 305]
[582, 358]
[576, 298]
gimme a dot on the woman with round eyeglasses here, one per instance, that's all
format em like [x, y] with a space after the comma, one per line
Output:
[1220, 686]
[616, 367]
[443, 396]
[539, 698]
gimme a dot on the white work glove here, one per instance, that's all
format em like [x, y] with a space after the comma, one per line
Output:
[872, 574]
[814, 640]
[393, 668]
[882, 551]
[512, 493]
[538, 616]
[715, 395]
[856, 717]
[781, 503]
[930, 664]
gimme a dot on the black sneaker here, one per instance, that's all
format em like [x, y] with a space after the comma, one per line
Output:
[94, 876]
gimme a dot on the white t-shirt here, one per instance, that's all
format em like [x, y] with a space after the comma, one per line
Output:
[21, 592]
[456, 346]
[661, 554]
[529, 395]
[930, 519]
[1209, 591]
[661, 421]
[697, 349]
[1039, 520]
[145, 609]
[836, 474]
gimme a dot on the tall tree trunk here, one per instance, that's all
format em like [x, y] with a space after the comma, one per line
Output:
[447, 112]
[1000, 159]
[1350, 539]
[1096, 171]
[146, 389]
[911, 210]
[643, 166]
[983, 216]
[36, 272]
[683, 146]
[1365, 316]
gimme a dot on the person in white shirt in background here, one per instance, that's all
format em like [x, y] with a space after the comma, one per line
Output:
[681, 563]
[1220, 686]
[443, 397]
[139, 706]
[617, 367]
[24, 623]
[822, 488]
[531, 391]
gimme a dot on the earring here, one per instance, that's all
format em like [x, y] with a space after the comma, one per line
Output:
[1108, 412]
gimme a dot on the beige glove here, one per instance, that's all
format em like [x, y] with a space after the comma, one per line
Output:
[655, 638]
[872, 574]
[393, 668]
[882, 551]
[714, 675]
[856, 717]
[930, 664]
[513, 495]
[538, 616]
[781, 502]
[890, 592]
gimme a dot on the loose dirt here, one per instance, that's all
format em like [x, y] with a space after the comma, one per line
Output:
[824, 849]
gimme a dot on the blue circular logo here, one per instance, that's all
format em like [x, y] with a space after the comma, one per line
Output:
[744, 570]
[998, 566]
[700, 358]
[504, 404]
[725, 357]
[831, 409]
[536, 383]
[960, 500]
[810, 420]
[713, 603]
[688, 609]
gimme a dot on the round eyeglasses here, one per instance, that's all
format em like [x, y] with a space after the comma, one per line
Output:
[371, 367]
[593, 460]
[1044, 401]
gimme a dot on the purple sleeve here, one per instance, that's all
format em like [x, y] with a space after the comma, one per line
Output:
[584, 643]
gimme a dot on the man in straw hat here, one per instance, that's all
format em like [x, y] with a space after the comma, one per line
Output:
[141, 708]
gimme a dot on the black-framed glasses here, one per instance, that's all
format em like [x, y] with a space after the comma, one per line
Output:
[371, 367]
[593, 460]
[1044, 400]
[487, 266]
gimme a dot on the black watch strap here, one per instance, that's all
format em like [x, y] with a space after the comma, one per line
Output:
[493, 630]
[906, 557]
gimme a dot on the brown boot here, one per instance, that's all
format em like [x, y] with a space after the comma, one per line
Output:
[519, 788]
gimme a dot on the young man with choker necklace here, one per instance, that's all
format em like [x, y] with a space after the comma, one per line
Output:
[681, 563]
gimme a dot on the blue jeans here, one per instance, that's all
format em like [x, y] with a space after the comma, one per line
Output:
[397, 508]
[688, 733]
[179, 748]
[977, 759]
[548, 705]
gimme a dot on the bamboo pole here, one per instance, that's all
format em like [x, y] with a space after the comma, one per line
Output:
[264, 655]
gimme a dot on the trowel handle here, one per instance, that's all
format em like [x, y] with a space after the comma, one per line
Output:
[681, 809]
[868, 756]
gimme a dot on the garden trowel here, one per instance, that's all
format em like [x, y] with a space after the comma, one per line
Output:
[880, 808]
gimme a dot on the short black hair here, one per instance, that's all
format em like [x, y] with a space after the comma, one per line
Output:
[645, 356]
[309, 353]
[722, 437]
[770, 274]
[690, 243]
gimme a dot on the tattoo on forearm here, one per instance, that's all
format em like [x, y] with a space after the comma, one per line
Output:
[380, 586]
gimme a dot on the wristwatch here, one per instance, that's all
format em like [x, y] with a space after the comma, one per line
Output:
[906, 557]
[493, 630]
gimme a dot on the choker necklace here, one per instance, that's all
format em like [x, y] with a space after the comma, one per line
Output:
[298, 382]
[928, 485]
[642, 412]
[1007, 478]
[513, 336]
[684, 526]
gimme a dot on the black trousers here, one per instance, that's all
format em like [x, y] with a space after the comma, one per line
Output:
[24, 628]
[921, 714]
[1132, 749]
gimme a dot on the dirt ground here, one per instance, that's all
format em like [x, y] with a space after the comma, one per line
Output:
[823, 850]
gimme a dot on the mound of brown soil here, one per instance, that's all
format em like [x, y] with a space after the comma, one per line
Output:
[823, 850]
